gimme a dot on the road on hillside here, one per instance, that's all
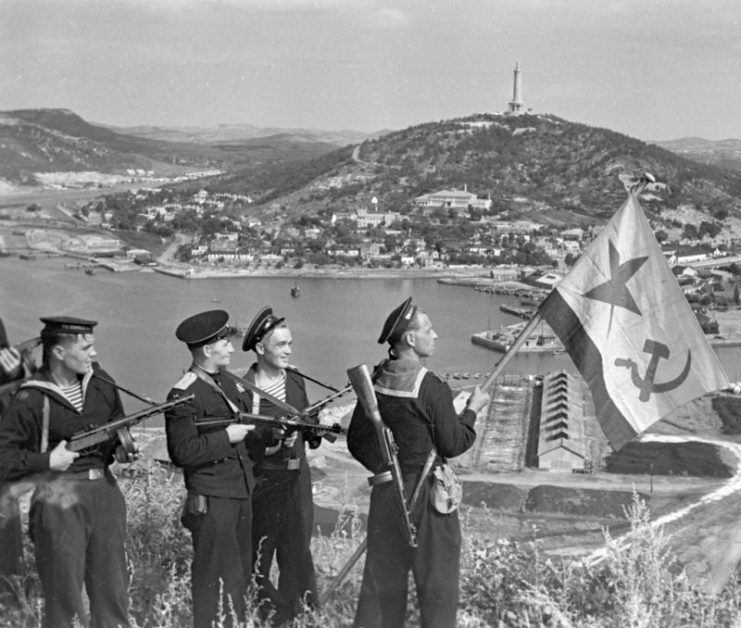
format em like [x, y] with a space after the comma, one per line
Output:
[167, 258]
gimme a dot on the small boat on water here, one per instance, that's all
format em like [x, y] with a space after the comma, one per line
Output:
[295, 290]
[89, 271]
[517, 311]
[27, 256]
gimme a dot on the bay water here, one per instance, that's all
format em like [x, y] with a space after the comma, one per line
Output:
[335, 322]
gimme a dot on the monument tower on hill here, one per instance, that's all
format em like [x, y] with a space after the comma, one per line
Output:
[516, 105]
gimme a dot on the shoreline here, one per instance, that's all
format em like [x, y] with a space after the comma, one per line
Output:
[191, 272]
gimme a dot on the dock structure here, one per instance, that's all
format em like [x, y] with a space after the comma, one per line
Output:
[562, 442]
[542, 339]
[501, 435]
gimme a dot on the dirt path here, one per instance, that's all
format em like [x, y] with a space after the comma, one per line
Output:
[704, 535]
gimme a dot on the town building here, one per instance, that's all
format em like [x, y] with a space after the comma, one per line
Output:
[562, 443]
[451, 199]
[366, 218]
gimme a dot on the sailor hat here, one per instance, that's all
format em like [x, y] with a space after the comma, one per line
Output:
[260, 325]
[67, 325]
[397, 322]
[205, 328]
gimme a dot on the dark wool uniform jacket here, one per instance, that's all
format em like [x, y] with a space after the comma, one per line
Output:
[418, 409]
[295, 396]
[21, 425]
[211, 464]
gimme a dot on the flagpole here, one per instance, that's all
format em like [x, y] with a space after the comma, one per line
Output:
[514, 347]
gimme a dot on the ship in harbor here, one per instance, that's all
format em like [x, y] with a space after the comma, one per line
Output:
[541, 339]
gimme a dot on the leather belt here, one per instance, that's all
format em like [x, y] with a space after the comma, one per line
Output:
[294, 464]
[88, 474]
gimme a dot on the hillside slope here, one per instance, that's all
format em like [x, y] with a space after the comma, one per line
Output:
[530, 165]
[58, 140]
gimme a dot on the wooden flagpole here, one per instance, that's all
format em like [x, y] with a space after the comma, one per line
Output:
[514, 347]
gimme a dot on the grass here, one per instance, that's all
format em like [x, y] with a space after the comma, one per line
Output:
[635, 582]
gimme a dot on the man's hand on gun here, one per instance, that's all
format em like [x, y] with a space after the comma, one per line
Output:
[237, 432]
[61, 458]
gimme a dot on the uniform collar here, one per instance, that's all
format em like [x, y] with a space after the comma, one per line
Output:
[43, 381]
[400, 378]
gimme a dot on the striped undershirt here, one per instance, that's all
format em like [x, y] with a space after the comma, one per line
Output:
[73, 394]
[277, 390]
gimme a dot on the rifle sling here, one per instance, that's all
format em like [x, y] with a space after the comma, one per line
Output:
[311, 379]
[206, 377]
[126, 390]
[286, 407]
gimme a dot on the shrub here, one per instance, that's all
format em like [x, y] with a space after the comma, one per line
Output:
[632, 581]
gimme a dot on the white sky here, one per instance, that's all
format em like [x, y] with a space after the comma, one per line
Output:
[653, 69]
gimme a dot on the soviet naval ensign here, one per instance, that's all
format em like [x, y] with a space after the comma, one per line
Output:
[622, 317]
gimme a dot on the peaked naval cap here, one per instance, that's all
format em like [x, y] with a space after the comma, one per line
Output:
[67, 325]
[205, 328]
[260, 325]
[397, 322]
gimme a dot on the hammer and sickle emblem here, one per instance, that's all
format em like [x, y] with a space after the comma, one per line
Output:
[646, 383]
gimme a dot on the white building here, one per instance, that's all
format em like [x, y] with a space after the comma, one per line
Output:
[452, 199]
[367, 218]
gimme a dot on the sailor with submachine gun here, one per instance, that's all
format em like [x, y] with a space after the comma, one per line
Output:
[61, 432]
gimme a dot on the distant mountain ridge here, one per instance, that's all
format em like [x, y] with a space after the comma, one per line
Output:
[58, 140]
[725, 153]
[238, 132]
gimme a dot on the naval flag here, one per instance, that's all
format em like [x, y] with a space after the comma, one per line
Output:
[629, 329]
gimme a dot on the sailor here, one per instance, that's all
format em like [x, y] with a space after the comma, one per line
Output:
[282, 503]
[418, 409]
[217, 463]
[11, 537]
[78, 514]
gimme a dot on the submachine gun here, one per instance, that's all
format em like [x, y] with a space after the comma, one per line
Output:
[120, 428]
[293, 419]
[328, 431]
[360, 379]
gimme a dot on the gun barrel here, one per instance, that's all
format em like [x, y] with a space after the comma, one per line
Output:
[246, 417]
[316, 407]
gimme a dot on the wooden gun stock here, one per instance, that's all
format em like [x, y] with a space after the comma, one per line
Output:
[360, 379]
